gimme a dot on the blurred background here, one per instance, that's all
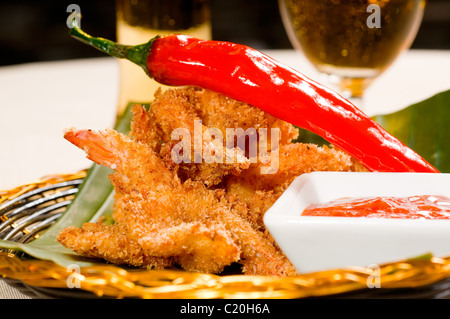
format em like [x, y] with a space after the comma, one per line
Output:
[32, 31]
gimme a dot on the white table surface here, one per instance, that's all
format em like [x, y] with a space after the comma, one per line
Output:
[39, 100]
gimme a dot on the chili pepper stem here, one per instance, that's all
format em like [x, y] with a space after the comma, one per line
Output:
[137, 54]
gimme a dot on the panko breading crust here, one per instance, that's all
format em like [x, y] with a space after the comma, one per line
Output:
[200, 216]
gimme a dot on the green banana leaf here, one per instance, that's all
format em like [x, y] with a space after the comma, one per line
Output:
[421, 126]
[424, 127]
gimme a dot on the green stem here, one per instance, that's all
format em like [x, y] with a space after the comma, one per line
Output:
[137, 54]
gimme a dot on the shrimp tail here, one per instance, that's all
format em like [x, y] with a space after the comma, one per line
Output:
[134, 161]
[102, 147]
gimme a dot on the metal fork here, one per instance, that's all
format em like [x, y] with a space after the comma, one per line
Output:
[23, 218]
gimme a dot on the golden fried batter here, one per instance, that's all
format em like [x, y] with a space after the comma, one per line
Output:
[186, 222]
[173, 112]
[219, 111]
[202, 215]
[111, 243]
[292, 161]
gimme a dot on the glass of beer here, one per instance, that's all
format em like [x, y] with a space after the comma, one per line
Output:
[351, 41]
[140, 20]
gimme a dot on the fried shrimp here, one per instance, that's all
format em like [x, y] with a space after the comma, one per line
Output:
[198, 215]
[259, 191]
[155, 215]
[219, 111]
[174, 114]
[293, 160]
[166, 218]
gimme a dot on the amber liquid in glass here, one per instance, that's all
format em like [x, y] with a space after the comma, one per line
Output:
[140, 20]
[335, 35]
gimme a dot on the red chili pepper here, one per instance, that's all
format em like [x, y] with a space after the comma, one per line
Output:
[247, 75]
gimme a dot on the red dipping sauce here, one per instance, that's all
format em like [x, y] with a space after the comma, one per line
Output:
[413, 207]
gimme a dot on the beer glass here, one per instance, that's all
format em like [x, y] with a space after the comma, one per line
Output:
[351, 41]
[140, 20]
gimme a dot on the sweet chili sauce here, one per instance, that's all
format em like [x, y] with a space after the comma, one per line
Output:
[413, 207]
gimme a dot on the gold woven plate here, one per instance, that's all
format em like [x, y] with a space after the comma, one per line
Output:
[423, 277]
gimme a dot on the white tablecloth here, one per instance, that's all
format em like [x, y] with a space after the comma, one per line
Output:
[39, 100]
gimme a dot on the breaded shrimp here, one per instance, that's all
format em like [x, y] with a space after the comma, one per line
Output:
[153, 196]
[180, 109]
[202, 216]
[217, 110]
[292, 160]
[255, 192]
[166, 218]
[112, 243]
[174, 114]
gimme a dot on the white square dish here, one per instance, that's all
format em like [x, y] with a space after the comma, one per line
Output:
[316, 243]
